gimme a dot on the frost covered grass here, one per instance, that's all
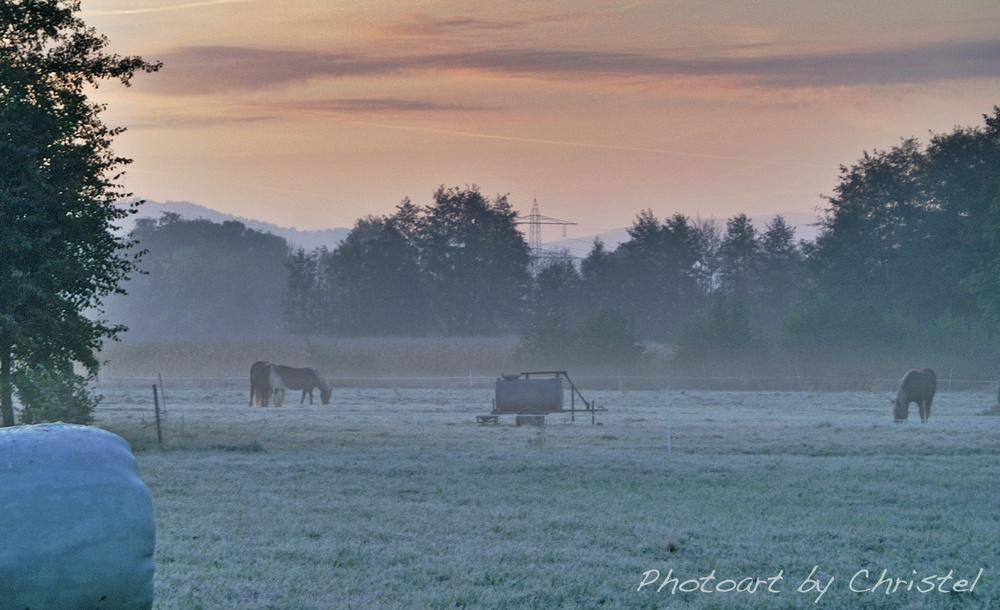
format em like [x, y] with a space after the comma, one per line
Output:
[398, 499]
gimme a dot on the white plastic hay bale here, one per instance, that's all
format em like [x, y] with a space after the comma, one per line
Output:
[76, 521]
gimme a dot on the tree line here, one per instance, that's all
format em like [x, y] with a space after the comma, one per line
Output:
[906, 259]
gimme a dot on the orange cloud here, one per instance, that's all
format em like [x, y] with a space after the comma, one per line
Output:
[212, 69]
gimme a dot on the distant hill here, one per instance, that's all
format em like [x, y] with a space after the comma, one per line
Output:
[579, 247]
[191, 211]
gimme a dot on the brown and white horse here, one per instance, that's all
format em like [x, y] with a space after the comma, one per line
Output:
[305, 379]
[265, 385]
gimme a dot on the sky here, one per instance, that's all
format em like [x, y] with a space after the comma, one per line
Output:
[314, 113]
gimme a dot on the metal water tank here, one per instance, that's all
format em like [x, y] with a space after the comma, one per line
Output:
[526, 396]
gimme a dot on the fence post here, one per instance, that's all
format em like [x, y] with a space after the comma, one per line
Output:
[163, 393]
[156, 408]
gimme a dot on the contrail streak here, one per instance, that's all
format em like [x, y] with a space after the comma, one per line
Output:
[262, 187]
[160, 9]
[659, 151]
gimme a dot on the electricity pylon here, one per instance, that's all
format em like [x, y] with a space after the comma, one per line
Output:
[535, 220]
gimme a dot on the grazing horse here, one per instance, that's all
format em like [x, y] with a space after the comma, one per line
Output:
[919, 386]
[305, 379]
[265, 385]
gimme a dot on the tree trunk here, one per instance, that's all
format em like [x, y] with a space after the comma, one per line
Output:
[6, 388]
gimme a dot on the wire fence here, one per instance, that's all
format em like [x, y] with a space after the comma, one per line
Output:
[788, 383]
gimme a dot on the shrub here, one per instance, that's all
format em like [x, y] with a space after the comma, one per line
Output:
[606, 339]
[548, 339]
[610, 337]
[47, 395]
[723, 334]
[824, 324]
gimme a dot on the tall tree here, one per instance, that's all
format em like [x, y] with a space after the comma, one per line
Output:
[875, 205]
[475, 260]
[913, 229]
[556, 291]
[205, 279]
[304, 307]
[601, 284]
[58, 188]
[659, 271]
[961, 175]
[458, 266]
[708, 243]
[378, 281]
[740, 260]
[782, 274]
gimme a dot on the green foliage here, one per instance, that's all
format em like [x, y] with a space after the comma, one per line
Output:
[557, 291]
[725, 333]
[918, 225]
[962, 339]
[983, 284]
[59, 256]
[475, 261]
[379, 289]
[605, 339]
[456, 267]
[304, 310]
[783, 281]
[655, 277]
[205, 279]
[823, 324]
[547, 342]
[740, 259]
[609, 337]
[48, 395]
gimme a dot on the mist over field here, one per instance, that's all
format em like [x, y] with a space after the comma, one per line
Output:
[745, 456]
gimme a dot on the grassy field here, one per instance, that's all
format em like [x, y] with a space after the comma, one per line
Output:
[396, 498]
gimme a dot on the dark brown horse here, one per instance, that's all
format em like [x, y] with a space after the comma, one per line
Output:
[305, 379]
[265, 385]
[919, 386]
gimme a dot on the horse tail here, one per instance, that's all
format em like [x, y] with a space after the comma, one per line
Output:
[256, 386]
